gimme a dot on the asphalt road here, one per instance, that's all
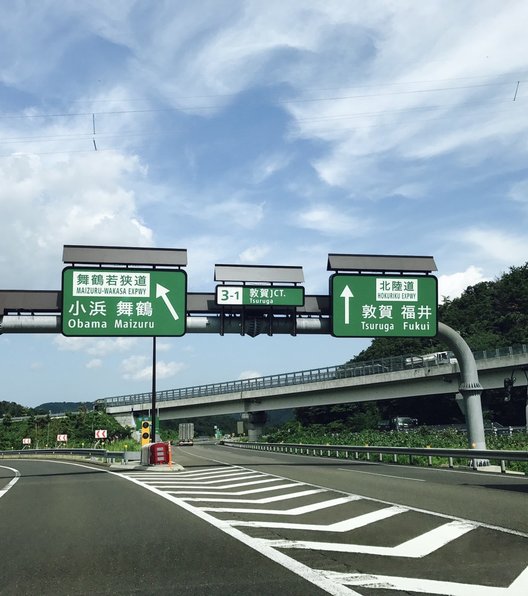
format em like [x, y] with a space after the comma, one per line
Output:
[240, 522]
[70, 530]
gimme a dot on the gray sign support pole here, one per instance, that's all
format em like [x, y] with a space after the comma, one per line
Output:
[153, 414]
[470, 387]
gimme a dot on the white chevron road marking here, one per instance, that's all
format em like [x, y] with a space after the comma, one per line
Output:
[224, 486]
[304, 571]
[415, 548]
[239, 493]
[226, 478]
[519, 587]
[342, 526]
[294, 511]
[262, 501]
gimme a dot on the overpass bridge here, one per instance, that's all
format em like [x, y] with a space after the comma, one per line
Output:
[385, 378]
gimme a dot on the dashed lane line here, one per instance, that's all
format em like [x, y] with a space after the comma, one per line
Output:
[384, 475]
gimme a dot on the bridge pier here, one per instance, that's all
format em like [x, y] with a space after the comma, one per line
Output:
[256, 422]
[127, 419]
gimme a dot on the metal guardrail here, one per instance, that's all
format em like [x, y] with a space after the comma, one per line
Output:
[476, 458]
[313, 375]
[107, 456]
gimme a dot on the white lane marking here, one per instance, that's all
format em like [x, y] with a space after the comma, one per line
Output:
[262, 501]
[343, 526]
[294, 511]
[416, 548]
[384, 475]
[12, 482]
[519, 587]
[239, 493]
[205, 478]
[307, 573]
[226, 478]
[219, 488]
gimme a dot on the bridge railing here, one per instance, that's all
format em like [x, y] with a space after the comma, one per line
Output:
[314, 375]
[475, 458]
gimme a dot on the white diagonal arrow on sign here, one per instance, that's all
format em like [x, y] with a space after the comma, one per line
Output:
[342, 526]
[416, 548]
[519, 587]
[161, 292]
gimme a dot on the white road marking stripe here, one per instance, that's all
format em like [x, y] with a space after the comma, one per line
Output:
[384, 475]
[12, 482]
[239, 493]
[416, 548]
[235, 485]
[262, 501]
[294, 511]
[519, 587]
[342, 526]
[184, 481]
[189, 473]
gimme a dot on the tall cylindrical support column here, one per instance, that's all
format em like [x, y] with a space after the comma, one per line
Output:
[256, 422]
[470, 387]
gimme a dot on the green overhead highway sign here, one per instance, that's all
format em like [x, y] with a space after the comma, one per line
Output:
[259, 296]
[383, 305]
[123, 302]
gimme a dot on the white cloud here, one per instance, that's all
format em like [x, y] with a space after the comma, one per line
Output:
[519, 192]
[327, 219]
[77, 200]
[94, 363]
[139, 368]
[235, 211]
[452, 286]
[497, 245]
[249, 374]
[268, 165]
[95, 346]
[254, 254]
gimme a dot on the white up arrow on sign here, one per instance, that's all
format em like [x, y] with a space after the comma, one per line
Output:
[347, 294]
[161, 292]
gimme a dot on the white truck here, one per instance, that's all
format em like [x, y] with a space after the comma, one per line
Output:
[186, 433]
[434, 359]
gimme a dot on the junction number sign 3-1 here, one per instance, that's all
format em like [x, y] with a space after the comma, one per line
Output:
[123, 302]
[384, 306]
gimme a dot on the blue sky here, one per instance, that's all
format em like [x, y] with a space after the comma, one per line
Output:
[251, 132]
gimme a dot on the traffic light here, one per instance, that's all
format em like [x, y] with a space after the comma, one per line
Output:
[145, 432]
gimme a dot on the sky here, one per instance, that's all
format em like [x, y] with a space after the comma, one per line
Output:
[255, 133]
